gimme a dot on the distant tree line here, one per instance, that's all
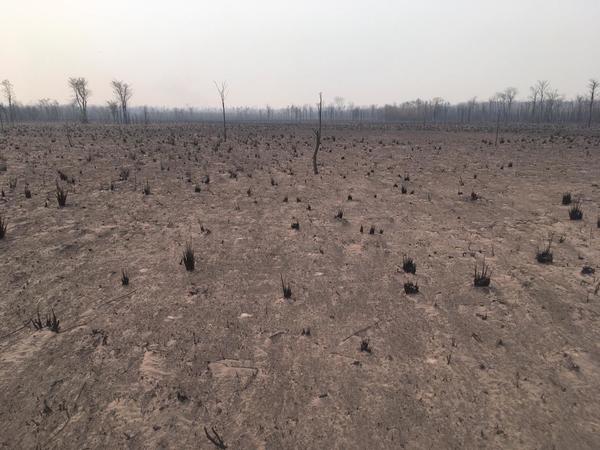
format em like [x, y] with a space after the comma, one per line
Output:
[543, 104]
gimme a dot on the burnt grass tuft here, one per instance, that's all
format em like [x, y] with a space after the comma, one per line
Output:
[409, 265]
[188, 259]
[3, 227]
[365, 346]
[482, 277]
[575, 212]
[146, 189]
[124, 173]
[411, 288]
[287, 289]
[51, 322]
[544, 256]
[61, 195]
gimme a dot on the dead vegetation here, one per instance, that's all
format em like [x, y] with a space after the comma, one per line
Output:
[3, 227]
[61, 195]
[224, 346]
[482, 276]
[188, 258]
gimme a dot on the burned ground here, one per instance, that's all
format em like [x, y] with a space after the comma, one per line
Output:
[349, 360]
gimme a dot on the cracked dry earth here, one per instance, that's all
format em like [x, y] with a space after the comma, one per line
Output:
[151, 364]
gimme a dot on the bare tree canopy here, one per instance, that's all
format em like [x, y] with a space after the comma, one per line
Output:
[81, 94]
[510, 93]
[123, 93]
[542, 104]
[542, 87]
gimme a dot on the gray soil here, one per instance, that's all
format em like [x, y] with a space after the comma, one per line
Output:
[151, 364]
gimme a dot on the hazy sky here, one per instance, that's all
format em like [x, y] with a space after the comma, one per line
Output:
[280, 52]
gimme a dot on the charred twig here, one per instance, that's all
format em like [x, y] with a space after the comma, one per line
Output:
[287, 290]
[362, 330]
[69, 415]
[216, 439]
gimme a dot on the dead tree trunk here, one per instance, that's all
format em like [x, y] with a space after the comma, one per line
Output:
[318, 134]
[497, 127]
[224, 122]
[593, 86]
[222, 94]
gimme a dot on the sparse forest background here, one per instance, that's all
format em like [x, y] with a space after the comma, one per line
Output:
[543, 104]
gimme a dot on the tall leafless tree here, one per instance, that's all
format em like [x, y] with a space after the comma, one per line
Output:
[509, 94]
[123, 94]
[437, 106]
[579, 108]
[222, 94]
[542, 87]
[318, 133]
[592, 85]
[553, 101]
[9, 94]
[533, 97]
[500, 100]
[81, 94]
[113, 107]
[471, 106]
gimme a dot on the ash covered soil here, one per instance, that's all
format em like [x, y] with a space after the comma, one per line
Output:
[350, 360]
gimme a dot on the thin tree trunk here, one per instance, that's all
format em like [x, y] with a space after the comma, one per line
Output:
[314, 158]
[318, 136]
[591, 110]
[224, 123]
[497, 127]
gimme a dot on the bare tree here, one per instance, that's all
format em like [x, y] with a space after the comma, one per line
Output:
[533, 96]
[509, 94]
[9, 94]
[579, 99]
[339, 106]
[553, 101]
[318, 133]
[45, 105]
[123, 94]
[542, 86]
[113, 107]
[437, 102]
[471, 106]
[500, 100]
[81, 94]
[223, 93]
[593, 85]
[146, 116]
